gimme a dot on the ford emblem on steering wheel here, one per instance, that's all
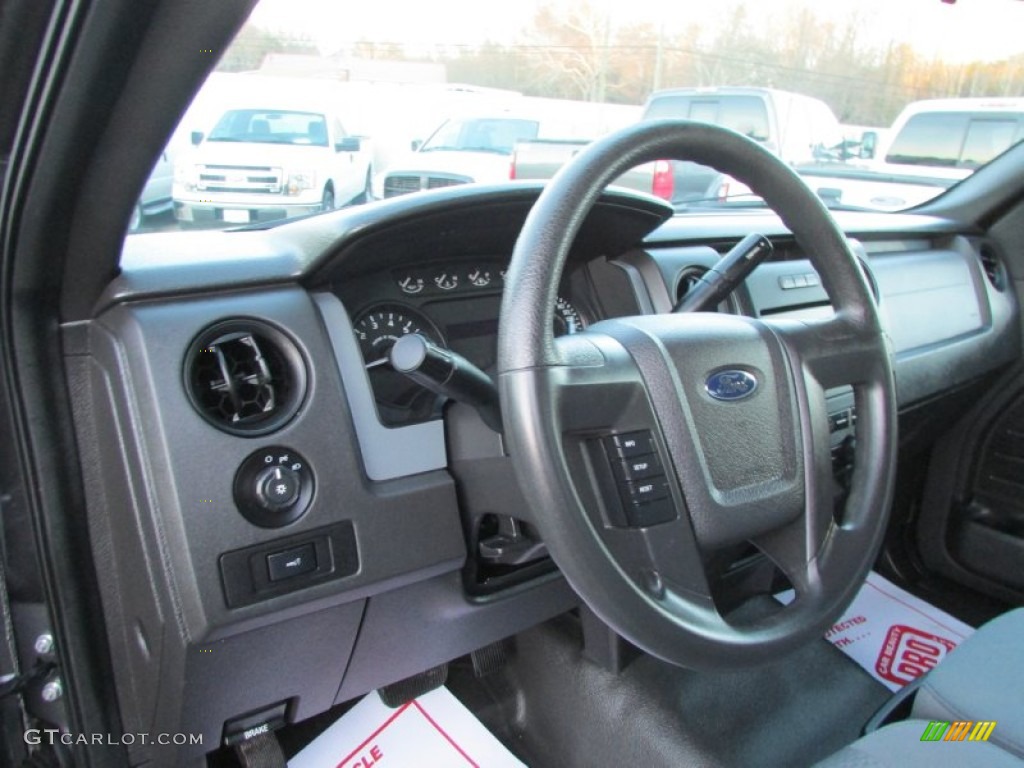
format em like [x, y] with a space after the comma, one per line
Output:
[731, 384]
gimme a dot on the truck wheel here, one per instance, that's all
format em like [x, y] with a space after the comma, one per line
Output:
[327, 201]
[367, 194]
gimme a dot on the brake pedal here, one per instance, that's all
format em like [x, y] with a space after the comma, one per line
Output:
[261, 751]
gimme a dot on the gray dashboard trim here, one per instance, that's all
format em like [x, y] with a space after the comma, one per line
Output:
[388, 453]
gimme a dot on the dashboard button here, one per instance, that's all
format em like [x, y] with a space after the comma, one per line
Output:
[291, 562]
[839, 421]
[278, 487]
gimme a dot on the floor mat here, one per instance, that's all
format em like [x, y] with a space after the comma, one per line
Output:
[892, 634]
[558, 710]
[434, 730]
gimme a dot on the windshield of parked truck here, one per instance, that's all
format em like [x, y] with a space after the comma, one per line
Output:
[497, 135]
[259, 126]
[743, 114]
[954, 139]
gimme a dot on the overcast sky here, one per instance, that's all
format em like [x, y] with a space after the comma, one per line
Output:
[968, 30]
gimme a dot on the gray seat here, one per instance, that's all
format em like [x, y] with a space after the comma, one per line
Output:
[899, 745]
[982, 680]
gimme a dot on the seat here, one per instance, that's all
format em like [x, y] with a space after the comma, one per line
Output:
[982, 680]
[899, 745]
[259, 127]
[317, 133]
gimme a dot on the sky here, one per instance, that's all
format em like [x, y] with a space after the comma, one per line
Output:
[967, 30]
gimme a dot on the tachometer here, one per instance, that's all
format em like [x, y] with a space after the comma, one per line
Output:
[382, 325]
[567, 318]
[399, 400]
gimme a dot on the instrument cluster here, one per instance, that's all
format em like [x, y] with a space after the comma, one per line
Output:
[452, 304]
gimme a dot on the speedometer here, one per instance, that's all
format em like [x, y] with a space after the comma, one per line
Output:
[377, 328]
[567, 318]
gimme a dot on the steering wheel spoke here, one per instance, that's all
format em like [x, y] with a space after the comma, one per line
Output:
[834, 352]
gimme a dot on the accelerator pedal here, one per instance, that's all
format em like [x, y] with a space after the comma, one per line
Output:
[404, 691]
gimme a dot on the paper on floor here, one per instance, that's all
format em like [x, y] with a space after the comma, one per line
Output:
[892, 634]
[433, 731]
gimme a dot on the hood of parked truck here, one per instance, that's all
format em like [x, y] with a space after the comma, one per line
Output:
[260, 155]
[479, 166]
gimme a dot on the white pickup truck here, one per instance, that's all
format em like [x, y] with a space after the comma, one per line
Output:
[266, 163]
[932, 145]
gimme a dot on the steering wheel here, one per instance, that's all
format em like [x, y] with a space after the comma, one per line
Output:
[729, 412]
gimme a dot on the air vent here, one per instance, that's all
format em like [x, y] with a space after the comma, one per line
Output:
[688, 278]
[245, 377]
[993, 266]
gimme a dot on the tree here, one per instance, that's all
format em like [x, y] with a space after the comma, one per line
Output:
[252, 45]
[573, 47]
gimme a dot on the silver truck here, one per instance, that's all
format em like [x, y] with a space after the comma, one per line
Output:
[541, 159]
[795, 127]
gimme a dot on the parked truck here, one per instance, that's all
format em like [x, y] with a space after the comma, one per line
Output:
[797, 128]
[478, 143]
[541, 159]
[279, 158]
[931, 146]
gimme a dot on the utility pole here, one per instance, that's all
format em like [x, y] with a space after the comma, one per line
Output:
[602, 67]
[659, 53]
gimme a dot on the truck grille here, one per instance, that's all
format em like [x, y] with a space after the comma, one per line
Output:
[246, 179]
[402, 183]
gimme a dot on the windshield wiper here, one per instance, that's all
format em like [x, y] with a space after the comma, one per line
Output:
[755, 201]
[752, 201]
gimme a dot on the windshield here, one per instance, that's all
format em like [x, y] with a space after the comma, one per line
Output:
[877, 105]
[271, 127]
[483, 135]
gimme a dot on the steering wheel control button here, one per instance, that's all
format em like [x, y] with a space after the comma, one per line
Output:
[647, 513]
[644, 491]
[273, 487]
[629, 444]
[639, 468]
[291, 562]
[640, 480]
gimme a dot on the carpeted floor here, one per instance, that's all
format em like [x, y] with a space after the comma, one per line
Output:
[556, 709]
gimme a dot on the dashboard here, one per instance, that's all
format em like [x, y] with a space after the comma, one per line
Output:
[336, 506]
